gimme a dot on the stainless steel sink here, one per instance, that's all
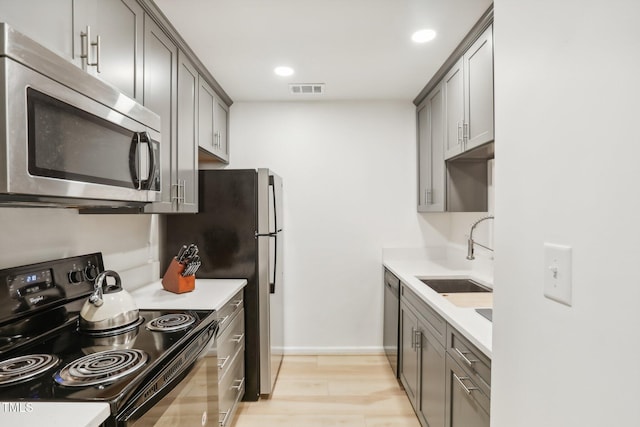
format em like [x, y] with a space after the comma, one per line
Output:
[453, 286]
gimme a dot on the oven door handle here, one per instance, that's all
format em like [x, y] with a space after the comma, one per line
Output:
[164, 380]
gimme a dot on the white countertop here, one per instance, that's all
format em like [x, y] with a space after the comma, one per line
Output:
[438, 264]
[68, 414]
[209, 294]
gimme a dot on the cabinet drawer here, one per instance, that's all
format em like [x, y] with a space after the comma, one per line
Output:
[466, 404]
[472, 360]
[435, 324]
[225, 314]
[230, 342]
[231, 390]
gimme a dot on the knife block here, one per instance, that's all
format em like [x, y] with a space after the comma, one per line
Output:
[173, 281]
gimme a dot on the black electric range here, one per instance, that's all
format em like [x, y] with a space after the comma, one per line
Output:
[45, 356]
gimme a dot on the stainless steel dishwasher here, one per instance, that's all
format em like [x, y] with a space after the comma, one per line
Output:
[391, 319]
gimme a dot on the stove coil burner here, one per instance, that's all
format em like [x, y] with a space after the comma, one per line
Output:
[171, 322]
[23, 368]
[100, 368]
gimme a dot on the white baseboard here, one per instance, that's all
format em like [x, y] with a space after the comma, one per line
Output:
[311, 351]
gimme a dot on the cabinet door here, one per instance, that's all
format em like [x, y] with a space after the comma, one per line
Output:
[119, 24]
[187, 136]
[206, 107]
[463, 402]
[409, 357]
[453, 89]
[432, 378]
[54, 28]
[431, 164]
[220, 119]
[160, 65]
[478, 68]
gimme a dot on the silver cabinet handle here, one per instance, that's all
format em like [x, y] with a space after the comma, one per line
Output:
[460, 135]
[418, 339]
[413, 337]
[464, 358]
[237, 304]
[465, 132]
[97, 45]
[223, 321]
[225, 360]
[239, 385]
[237, 338]
[177, 196]
[468, 390]
[224, 416]
[85, 48]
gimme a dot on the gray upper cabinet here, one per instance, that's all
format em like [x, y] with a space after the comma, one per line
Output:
[453, 88]
[169, 90]
[54, 31]
[212, 127]
[468, 92]
[187, 161]
[478, 67]
[108, 42]
[431, 165]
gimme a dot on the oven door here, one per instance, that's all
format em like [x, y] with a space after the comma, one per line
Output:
[183, 393]
[60, 142]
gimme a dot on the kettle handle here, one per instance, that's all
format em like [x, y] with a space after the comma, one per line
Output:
[96, 297]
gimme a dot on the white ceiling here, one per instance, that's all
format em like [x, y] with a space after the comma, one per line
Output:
[361, 49]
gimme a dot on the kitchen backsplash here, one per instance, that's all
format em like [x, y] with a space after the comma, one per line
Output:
[129, 243]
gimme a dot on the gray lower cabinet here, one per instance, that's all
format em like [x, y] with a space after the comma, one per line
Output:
[466, 406]
[422, 371]
[446, 378]
[468, 383]
[230, 352]
[431, 165]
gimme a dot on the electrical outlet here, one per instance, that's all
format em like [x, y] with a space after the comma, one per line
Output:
[557, 273]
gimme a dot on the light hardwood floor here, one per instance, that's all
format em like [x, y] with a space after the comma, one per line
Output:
[332, 391]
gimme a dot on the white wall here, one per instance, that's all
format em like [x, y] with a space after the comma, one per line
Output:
[129, 243]
[349, 171]
[567, 82]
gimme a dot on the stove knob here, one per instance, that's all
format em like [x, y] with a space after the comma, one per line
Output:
[76, 276]
[91, 272]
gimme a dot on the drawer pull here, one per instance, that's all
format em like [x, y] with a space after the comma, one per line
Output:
[239, 385]
[467, 390]
[224, 362]
[237, 338]
[225, 416]
[223, 321]
[237, 304]
[464, 358]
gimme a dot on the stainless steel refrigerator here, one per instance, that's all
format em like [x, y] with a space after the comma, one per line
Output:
[238, 230]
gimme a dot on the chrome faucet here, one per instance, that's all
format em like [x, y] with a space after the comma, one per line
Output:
[471, 242]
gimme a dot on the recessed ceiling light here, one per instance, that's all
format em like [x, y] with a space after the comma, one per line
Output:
[283, 71]
[423, 36]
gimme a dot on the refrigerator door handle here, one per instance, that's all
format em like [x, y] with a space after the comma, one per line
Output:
[272, 278]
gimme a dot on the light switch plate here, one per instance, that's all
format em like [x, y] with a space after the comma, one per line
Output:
[557, 273]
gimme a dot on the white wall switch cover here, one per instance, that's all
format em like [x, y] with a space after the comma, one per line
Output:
[557, 273]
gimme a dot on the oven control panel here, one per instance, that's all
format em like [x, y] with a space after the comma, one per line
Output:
[30, 287]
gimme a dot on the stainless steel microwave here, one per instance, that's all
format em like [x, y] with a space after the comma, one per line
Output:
[68, 138]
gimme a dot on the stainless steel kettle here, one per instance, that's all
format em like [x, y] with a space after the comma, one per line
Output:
[109, 306]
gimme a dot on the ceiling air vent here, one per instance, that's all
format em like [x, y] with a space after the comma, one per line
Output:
[306, 88]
